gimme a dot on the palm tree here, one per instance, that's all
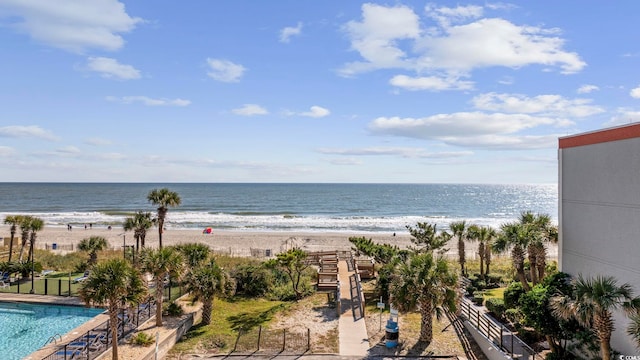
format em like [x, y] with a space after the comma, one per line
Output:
[160, 264]
[163, 198]
[516, 236]
[204, 282]
[459, 230]
[116, 284]
[194, 254]
[12, 220]
[24, 225]
[427, 283]
[140, 222]
[592, 304]
[35, 225]
[547, 233]
[92, 245]
[484, 235]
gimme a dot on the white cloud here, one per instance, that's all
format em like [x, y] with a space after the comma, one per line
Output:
[541, 104]
[149, 101]
[585, 89]
[635, 93]
[225, 70]
[344, 161]
[375, 37]
[433, 83]
[316, 112]
[392, 38]
[17, 131]
[97, 141]
[6, 151]
[404, 152]
[68, 151]
[623, 116]
[70, 24]
[288, 32]
[250, 110]
[472, 129]
[111, 68]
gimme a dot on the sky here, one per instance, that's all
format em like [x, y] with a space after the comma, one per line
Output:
[308, 91]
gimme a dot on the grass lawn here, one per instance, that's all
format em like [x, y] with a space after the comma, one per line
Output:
[494, 293]
[227, 318]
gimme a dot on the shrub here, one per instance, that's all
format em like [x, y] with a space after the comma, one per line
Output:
[514, 316]
[478, 299]
[496, 306]
[142, 339]
[481, 284]
[494, 279]
[173, 309]
[252, 280]
[470, 290]
[512, 295]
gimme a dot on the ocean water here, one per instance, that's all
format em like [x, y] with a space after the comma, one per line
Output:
[282, 207]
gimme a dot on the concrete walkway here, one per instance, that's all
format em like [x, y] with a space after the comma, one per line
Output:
[353, 338]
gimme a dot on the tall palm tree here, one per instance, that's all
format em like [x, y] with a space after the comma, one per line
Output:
[25, 228]
[12, 220]
[35, 225]
[546, 233]
[163, 199]
[204, 282]
[140, 222]
[92, 245]
[161, 263]
[484, 235]
[459, 230]
[116, 284]
[427, 283]
[515, 236]
[592, 304]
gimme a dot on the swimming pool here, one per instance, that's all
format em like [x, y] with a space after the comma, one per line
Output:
[26, 327]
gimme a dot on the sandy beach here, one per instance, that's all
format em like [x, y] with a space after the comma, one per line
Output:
[236, 243]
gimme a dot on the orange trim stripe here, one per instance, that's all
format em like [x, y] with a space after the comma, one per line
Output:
[601, 136]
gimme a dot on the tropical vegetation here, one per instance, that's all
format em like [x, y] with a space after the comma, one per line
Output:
[163, 199]
[116, 284]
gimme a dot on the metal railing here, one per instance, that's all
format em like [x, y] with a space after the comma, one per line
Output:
[500, 336]
[96, 341]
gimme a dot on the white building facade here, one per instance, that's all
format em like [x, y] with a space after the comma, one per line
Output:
[599, 211]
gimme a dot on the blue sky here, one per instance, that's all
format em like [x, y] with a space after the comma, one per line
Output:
[308, 91]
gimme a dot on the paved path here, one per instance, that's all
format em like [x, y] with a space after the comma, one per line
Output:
[353, 338]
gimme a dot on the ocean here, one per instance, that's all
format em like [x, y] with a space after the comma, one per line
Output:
[350, 208]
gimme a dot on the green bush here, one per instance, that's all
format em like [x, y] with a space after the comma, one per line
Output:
[494, 279]
[496, 306]
[478, 300]
[470, 290]
[142, 339]
[514, 316]
[173, 309]
[253, 280]
[512, 295]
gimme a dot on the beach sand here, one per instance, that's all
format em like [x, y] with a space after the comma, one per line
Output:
[236, 243]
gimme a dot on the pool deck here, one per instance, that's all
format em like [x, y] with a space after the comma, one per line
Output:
[55, 300]
[40, 299]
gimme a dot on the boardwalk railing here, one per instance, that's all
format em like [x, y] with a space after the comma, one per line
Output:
[500, 336]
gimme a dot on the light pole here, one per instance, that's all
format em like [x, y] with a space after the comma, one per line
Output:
[32, 270]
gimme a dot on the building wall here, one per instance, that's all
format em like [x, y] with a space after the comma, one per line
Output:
[599, 214]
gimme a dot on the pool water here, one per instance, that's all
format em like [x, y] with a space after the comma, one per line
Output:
[26, 327]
